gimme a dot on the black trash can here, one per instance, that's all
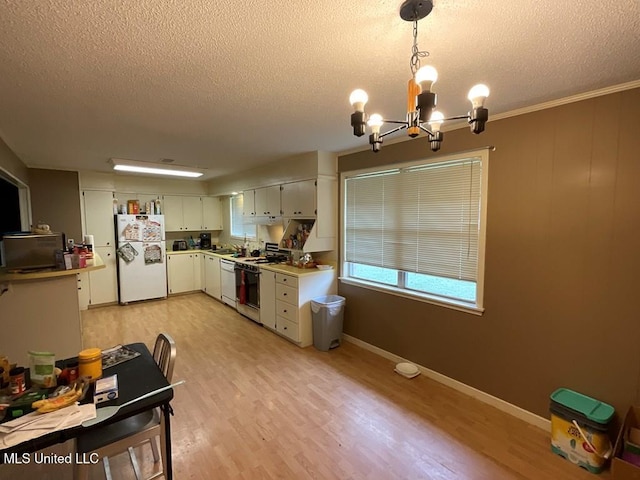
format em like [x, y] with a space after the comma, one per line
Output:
[327, 317]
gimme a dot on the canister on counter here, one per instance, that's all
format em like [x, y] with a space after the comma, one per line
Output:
[90, 364]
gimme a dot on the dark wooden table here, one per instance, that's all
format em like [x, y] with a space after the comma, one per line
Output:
[136, 377]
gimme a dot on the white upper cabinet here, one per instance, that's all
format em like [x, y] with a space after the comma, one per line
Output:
[98, 217]
[182, 213]
[299, 199]
[172, 211]
[267, 201]
[248, 204]
[192, 213]
[211, 213]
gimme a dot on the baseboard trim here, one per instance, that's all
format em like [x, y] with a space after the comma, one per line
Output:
[496, 402]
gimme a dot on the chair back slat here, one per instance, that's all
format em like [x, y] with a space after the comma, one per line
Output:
[164, 353]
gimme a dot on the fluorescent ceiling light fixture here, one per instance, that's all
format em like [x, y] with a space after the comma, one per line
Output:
[143, 167]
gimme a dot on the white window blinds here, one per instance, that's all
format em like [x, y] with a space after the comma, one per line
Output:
[239, 229]
[422, 219]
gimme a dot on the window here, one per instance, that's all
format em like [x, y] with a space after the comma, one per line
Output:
[417, 229]
[238, 228]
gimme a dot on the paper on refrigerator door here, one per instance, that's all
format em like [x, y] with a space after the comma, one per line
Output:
[142, 229]
[127, 252]
[151, 231]
[152, 253]
[131, 232]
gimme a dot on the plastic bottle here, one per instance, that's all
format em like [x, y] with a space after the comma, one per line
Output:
[158, 207]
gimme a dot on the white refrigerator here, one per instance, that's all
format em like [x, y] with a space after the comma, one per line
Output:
[142, 272]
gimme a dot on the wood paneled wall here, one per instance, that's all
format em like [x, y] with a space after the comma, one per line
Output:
[562, 261]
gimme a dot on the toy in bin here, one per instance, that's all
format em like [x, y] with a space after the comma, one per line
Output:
[580, 429]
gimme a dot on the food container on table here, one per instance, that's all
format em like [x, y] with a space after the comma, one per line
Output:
[90, 364]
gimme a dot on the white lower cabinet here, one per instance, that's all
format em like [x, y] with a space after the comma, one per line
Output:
[285, 302]
[211, 285]
[103, 284]
[268, 298]
[183, 272]
[84, 292]
[197, 271]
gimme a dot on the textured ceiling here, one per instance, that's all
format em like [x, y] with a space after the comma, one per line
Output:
[231, 84]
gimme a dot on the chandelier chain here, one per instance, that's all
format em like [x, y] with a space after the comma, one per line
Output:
[416, 54]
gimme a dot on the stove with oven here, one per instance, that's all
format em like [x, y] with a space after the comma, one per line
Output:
[248, 281]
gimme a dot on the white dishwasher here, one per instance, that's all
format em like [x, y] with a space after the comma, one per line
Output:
[228, 281]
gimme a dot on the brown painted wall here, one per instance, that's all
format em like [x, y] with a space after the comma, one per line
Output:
[562, 261]
[55, 200]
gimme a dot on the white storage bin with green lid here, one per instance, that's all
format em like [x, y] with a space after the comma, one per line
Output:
[580, 429]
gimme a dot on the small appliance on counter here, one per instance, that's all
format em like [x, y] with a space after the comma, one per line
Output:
[179, 245]
[205, 241]
[28, 251]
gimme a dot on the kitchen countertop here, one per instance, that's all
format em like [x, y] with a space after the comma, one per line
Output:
[274, 267]
[291, 270]
[95, 263]
[197, 250]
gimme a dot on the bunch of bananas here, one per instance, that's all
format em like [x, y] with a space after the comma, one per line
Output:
[54, 403]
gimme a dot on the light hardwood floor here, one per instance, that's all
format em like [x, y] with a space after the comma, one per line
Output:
[257, 407]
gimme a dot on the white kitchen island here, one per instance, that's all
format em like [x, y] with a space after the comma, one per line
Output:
[40, 311]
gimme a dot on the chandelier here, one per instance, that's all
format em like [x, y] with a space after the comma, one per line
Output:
[421, 101]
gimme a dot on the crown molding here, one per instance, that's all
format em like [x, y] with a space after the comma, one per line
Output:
[571, 99]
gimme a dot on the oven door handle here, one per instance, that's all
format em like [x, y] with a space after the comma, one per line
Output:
[240, 269]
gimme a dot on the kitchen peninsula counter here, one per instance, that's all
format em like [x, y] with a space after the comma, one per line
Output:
[95, 263]
[40, 311]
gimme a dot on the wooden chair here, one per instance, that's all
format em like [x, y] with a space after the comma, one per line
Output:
[128, 433]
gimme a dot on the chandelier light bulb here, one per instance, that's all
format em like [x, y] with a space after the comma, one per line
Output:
[435, 122]
[358, 99]
[375, 122]
[425, 77]
[478, 94]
